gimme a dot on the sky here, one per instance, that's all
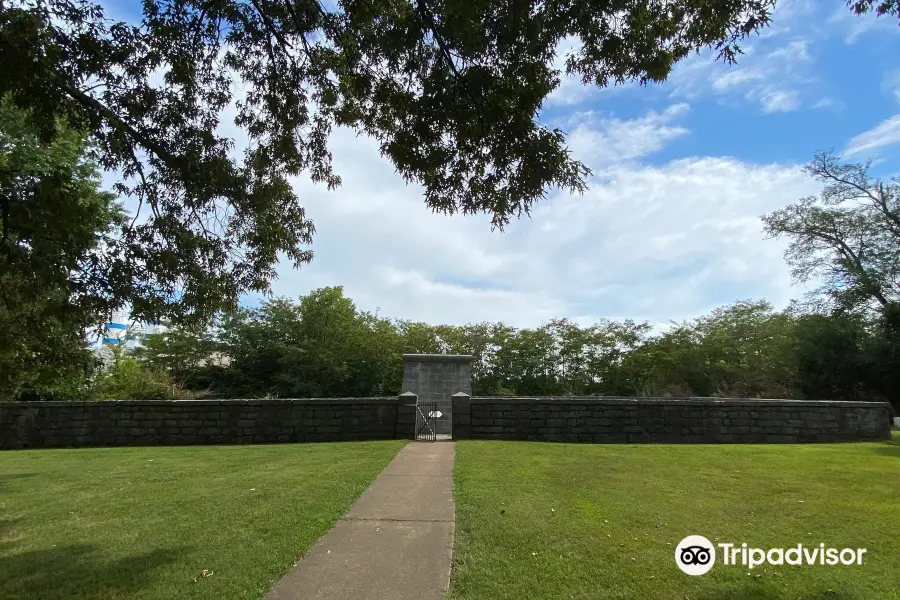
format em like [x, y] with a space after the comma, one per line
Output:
[670, 227]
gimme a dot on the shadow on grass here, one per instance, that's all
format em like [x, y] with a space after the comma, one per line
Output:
[889, 448]
[6, 525]
[79, 572]
[766, 592]
[12, 476]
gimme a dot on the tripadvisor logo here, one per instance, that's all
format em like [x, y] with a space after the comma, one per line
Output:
[696, 555]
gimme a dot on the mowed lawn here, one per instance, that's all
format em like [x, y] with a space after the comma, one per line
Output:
[143, 523]
[553, 521]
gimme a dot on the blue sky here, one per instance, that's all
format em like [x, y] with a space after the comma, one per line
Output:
[682, 172]
[815, 79]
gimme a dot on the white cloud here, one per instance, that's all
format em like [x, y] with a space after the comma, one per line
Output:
[690, 78]
[779, 101]
[855, 26]
[891, 83]
[768, 75]
[797, 50]
[826, 102]
[654, 243]
[602, 141]
[735, 78]
[884, 134]
[773, 72]
[572, 91]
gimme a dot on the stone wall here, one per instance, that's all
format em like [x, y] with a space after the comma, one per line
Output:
[597, 420]
[147, 423]
[668, 420]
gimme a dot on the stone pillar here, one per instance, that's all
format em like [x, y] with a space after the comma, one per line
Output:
[435, 378]
[462, 415]
[406, 417]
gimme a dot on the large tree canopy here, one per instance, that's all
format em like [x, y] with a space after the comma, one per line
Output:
[847, 237]
[56, 226]
[451, 90]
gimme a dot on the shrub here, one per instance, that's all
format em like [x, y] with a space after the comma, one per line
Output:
[130, 379]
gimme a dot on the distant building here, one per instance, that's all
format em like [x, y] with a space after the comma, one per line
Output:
[122, 330]
[105, 357]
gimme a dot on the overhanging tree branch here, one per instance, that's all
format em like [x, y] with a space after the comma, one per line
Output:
[92, 103]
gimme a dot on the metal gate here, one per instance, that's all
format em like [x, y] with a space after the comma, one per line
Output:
[434, 420]
[426, 421]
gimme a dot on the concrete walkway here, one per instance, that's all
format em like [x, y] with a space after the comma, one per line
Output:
[395, 542]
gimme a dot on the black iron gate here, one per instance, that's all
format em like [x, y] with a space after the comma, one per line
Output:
[427, 415]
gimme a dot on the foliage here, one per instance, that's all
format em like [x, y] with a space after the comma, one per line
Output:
[324, 347]
[848, 237]
[55, 224]
[879, 7]
[320, 347]
[131, 379]
[451, 92]
[188, 355]
[739, 350]
[831, 357]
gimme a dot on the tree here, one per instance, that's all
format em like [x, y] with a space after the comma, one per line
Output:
[883, 354]
[848, 237]
[129, 378]
[321, 347]
[187, 354]
[744, 349]
[670, 364]
[265, 352]
[56, 223]
[451, 91]
[831, 357]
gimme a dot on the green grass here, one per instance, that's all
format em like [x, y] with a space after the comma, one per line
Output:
[142, 523]
[596, 522]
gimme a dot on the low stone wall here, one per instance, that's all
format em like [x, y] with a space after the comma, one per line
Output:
[668, 420]
[571, 419]
[149, 423]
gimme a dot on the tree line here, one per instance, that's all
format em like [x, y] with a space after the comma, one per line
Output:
[323, 346]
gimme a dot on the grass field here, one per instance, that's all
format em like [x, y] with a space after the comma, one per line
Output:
[552, 521]
[143, 523]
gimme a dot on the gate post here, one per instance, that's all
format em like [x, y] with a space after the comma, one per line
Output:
[462, 415]
[406, 416]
